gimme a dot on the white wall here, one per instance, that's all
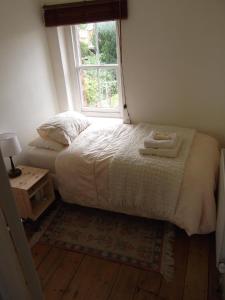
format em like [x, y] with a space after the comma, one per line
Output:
[27, 91]
[174, 63]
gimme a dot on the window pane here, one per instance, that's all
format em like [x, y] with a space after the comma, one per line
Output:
[89, 83]
[108, 88]
[97, 43]
[100, 88]
[106, 33]
[87, 42]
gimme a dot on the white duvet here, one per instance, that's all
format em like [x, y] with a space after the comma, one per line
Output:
[102, 168]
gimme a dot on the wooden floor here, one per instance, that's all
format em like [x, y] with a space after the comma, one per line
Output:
[70, 275]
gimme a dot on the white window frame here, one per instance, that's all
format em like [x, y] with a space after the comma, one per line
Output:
[78, 95]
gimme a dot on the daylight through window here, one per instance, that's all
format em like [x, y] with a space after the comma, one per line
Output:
[97, 66]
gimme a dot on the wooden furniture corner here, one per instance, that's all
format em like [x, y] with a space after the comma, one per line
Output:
[33, 191]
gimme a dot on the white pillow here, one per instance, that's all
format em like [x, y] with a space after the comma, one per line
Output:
[64, 128]
[41, 143]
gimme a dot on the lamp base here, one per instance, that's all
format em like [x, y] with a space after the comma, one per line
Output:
[14, 173]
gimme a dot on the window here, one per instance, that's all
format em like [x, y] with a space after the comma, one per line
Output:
[97, 67]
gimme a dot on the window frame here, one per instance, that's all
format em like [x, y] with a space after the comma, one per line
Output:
[78, 66]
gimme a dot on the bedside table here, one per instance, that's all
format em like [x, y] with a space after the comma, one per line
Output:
[33, 191]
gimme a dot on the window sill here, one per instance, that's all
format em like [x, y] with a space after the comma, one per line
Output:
[105, 120]
[102, 114]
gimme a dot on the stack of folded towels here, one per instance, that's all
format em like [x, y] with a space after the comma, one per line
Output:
[161, 144]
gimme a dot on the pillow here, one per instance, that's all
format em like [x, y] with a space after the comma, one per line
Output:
[46, 144]
[64, 128]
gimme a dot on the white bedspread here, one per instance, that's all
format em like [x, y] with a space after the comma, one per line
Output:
[147, 183]
[88, 176]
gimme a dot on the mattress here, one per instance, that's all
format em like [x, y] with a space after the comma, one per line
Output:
[41, 158]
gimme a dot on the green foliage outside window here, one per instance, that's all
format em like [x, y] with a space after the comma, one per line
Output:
[100, 87]
[107, 42]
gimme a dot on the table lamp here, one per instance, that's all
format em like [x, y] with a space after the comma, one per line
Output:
[10, 146]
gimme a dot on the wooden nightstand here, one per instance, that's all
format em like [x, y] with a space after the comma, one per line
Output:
[33, 191]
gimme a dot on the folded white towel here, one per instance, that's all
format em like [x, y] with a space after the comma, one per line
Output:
[162, 135]
[172, 152]
[150, 142]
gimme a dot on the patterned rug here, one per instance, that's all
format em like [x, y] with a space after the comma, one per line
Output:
[143, 243]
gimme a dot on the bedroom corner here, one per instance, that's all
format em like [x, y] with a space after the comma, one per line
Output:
[112, 135]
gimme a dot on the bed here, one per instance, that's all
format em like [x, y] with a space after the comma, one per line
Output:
[89, 173]
[43, 158]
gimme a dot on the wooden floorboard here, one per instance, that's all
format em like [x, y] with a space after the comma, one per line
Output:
[61, 278]
[150, 281]
[39, 252]
[69, 275]
[144, 295]
[213, 276]
[49, 265]
[126, 283]
[196, 280]
[94, 280]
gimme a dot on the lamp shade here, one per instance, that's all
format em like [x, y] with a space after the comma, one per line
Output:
[9, 144]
